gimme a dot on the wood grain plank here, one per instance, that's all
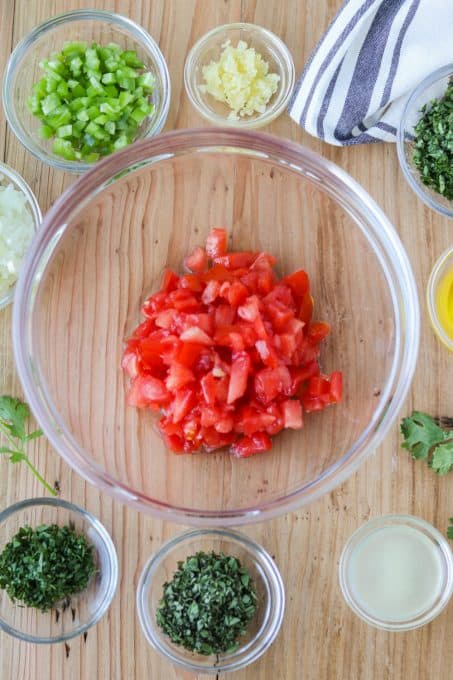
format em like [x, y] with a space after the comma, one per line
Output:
[320, 638]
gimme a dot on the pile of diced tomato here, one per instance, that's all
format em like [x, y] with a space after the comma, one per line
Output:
[228, 352]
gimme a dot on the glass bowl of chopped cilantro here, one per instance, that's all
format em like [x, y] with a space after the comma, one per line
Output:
[58, 570]
[20, 217]
[211, 600]
[83, 85]
[240, 75]
[425, 140]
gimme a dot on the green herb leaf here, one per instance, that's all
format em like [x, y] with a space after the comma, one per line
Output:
[41, 566]
[208, 603]
[420, 434]
[14, 414]
[433, 144]
[450, 528]
[442, 461]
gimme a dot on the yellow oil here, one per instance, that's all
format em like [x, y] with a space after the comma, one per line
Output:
[444, 303]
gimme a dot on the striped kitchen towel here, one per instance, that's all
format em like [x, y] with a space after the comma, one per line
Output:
[354, 85]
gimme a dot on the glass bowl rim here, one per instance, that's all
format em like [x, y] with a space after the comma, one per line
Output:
[275, 108]
[139, 34]
[16, 179]
[420, 525]
[94, 523]
[430, 297]
[259, 555]
[281, 152]
[423, 194]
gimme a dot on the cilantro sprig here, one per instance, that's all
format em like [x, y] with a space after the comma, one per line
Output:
[424, 439]
[14, 415]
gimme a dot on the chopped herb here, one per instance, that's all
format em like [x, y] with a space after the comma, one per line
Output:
[450, 528]
[13, 415]
[41, 566]
[423, 438]
[433, 152]
[208, 603]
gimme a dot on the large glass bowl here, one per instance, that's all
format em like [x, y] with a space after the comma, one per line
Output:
[88, 25]
[102, 249]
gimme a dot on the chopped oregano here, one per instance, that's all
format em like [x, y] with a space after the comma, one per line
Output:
[208, 603]
[433, 152]
[41, 566]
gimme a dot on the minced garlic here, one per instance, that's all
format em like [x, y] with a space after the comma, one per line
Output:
[240, 79]
[16, 232]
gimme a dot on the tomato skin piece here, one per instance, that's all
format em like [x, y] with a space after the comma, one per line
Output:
[270, 382]
[217, 273]
[189, 353]
[240, 369]
[197, 261]
[216, 242]
[298, 282]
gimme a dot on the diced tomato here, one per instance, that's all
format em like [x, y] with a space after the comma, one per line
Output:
[191, 282]
[216, 243]
[336, 386]
[197, 261]
[169, 280]
[240, 369]
[292, 413]
[271, 382]
[178, 376]
[196, 335]
[183, 401]
[241, 260]
[318, 330]
[298, 282]
[146, 390]
[229, 352]
[248, 446]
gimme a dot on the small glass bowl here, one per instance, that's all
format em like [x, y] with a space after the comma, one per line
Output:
[86, 608]
[10, 176]
[443, 265]
[445, 588]
[432, 87]
[23, 71]
[209, 47]
[268, 582]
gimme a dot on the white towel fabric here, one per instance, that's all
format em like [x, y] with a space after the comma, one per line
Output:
[374, 53]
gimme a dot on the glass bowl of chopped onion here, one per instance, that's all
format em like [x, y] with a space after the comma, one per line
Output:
[20, 217]
[50, 547]
[240, 75]
[84, 84]
[224, 573]
[424, 141]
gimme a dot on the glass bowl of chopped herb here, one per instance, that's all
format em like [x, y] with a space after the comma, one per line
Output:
[240, 75]
[211, 600]
[58, 570]
[20, 217]
[83, 85]
[425, 140]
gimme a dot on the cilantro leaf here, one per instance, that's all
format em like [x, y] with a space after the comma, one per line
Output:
[420, 434]
[14, 413]
[450, 528]
[442, 461]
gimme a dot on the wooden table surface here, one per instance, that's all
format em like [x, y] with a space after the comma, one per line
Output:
[320, 638]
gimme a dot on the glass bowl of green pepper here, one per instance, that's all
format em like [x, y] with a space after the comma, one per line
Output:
[58, 570]
[83, 85]
[211, 600]
[425, 140]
